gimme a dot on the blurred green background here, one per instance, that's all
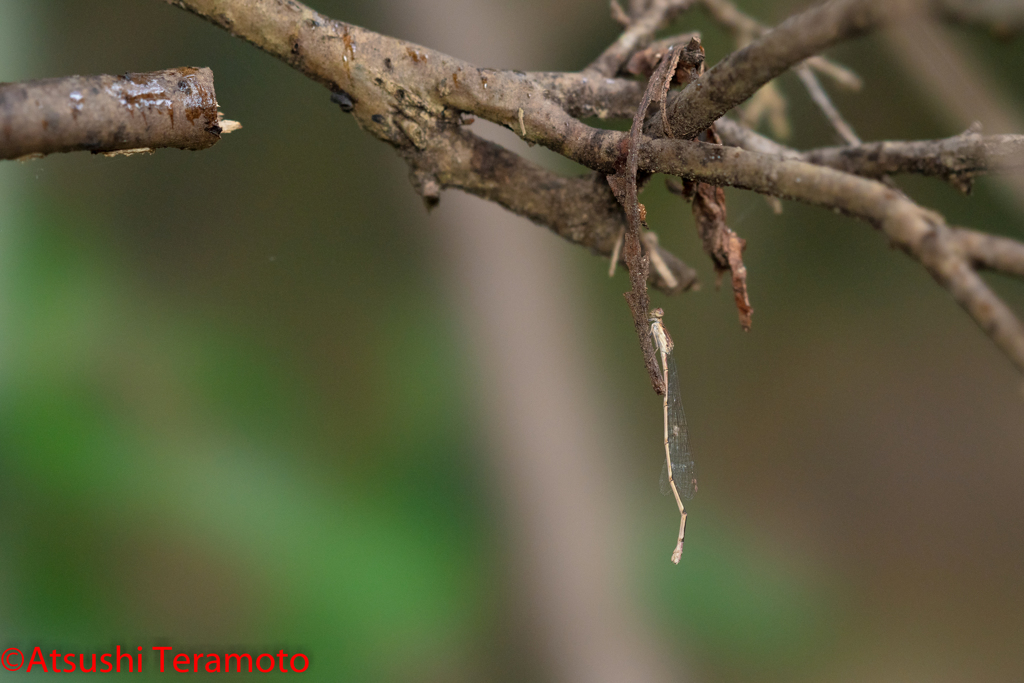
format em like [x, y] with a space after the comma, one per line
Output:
[236, 410]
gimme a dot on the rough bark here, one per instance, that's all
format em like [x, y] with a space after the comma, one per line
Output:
[171, 108]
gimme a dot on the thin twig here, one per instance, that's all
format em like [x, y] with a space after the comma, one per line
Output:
[623, 184]
[637, 35]
[616, 252]
[999, 254]
[650, 240]
[837, 72]
[960, 156]
[821, 98]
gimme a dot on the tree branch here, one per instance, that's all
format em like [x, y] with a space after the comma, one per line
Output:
[637, 35]
[581, 210]
[412, 97]
[415, 98]
[1005, 18]
[921, 233]
[957, 158]
[171, 108]
[1000, 254]
[743, 72]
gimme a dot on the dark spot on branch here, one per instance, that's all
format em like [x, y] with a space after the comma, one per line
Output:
[377, 118]
[343, 100]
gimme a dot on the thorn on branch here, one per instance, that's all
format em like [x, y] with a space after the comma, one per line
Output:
[427, 186]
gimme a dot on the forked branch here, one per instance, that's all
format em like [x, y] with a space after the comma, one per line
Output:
[416, 99]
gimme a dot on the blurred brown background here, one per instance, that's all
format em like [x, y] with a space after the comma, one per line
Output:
[256, 397]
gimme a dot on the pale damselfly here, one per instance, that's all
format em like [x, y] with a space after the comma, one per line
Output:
[678, 474]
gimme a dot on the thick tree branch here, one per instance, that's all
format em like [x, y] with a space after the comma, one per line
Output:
[743, 72]
[171, 108]
[745, 28]
[582, 210]
[963, 155]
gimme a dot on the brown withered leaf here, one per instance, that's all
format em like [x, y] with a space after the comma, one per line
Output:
[723, 245]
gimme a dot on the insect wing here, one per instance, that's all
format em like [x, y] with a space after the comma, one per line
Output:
[683, 472]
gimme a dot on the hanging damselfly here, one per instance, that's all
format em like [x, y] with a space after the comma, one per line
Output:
[678, 475]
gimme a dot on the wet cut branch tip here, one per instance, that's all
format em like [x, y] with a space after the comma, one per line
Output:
[101, 114]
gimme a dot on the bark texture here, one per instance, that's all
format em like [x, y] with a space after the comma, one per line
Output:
[171, 108]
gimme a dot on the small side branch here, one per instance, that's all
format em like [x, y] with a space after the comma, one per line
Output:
[824, 102]
[992, 252]
[962, 155]
[171, 108]
[1004, 19]
[637, 35]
